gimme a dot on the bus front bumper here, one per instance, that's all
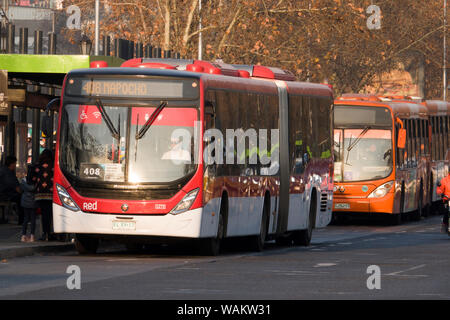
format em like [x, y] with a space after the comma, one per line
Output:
[186, 225]
[364, 205]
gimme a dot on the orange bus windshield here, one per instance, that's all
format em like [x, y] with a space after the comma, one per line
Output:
[362, 154]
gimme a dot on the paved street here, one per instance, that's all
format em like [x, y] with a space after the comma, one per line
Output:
[413, 259]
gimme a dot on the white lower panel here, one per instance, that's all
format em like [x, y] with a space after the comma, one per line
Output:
[187, 224]
[244, 216]
[210, 220]
[298, 213]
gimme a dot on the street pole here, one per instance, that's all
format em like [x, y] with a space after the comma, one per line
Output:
[200, 48]
[444, 76]
[97, 14]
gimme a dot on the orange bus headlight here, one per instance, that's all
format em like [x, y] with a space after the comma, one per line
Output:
[382, 190]
[186, 202]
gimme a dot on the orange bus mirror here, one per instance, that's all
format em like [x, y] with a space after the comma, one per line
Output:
[401, 139]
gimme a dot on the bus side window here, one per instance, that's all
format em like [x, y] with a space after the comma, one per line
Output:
[424, 136]
[408, 130]
[415, 139]
[433, 138]
[445, 134]
[399, 152]
[448, 131]
[420, 137]
[440, 141]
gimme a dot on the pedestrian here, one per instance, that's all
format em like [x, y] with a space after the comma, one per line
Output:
[43, 178]
[28, 204]
[443, 188]
[9, 185]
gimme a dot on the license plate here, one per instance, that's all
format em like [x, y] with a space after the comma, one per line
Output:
[342, 206]
[124, 225]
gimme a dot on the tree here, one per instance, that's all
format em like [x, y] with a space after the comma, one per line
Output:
[320, 40]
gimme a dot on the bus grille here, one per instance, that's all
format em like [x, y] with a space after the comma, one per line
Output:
[323, 201]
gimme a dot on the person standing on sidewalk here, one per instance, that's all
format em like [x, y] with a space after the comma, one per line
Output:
[9, 185]
[29, 206]
[43, 177]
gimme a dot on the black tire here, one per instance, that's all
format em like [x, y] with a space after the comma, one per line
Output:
[86, 244]
[134, 247]
[303, 237]
[257, 242]
[395, 219]
[211, 246]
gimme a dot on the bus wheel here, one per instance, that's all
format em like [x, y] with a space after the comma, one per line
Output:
[396, 219]
[257, 242]
[211, 246]
[303, 237]
[85, 244]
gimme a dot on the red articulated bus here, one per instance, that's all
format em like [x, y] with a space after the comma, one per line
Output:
[165, 148]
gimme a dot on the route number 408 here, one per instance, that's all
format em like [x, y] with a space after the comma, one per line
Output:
[92, 171]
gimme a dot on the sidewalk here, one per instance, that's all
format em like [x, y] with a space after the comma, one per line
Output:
[11, 247]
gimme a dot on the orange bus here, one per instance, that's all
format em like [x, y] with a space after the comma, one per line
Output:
[439, 116]
[382, 157]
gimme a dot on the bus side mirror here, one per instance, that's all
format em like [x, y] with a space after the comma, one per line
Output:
[47, 125]
[401, 142]
[47, 120]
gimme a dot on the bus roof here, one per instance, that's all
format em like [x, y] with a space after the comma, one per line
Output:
[437, 107]
[399, 108]
[214, 80]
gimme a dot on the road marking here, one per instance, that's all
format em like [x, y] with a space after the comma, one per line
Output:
[410, 269]
[325, 265]
[297, 272]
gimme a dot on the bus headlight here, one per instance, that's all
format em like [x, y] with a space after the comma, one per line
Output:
[382, 190]
[185, 203]
[65, 198]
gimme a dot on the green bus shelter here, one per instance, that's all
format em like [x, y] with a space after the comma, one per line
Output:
[27, 84]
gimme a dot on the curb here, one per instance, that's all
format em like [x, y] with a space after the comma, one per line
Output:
[17, 252]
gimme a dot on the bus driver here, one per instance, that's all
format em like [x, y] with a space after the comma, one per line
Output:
[176, 151]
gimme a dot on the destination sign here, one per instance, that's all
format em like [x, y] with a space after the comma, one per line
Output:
[139, 88]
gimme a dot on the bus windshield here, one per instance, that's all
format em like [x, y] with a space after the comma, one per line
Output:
[362, 154]
[107, 144]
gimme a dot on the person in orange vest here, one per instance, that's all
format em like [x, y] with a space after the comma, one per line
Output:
[443, 188]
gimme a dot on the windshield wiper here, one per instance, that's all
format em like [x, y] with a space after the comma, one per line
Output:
[352, 145]
[148, 123]
[115, 134]
[150, 120]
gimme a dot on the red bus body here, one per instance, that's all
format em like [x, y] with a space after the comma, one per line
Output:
[294, 192]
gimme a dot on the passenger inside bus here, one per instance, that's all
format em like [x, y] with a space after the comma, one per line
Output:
[176, 151]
